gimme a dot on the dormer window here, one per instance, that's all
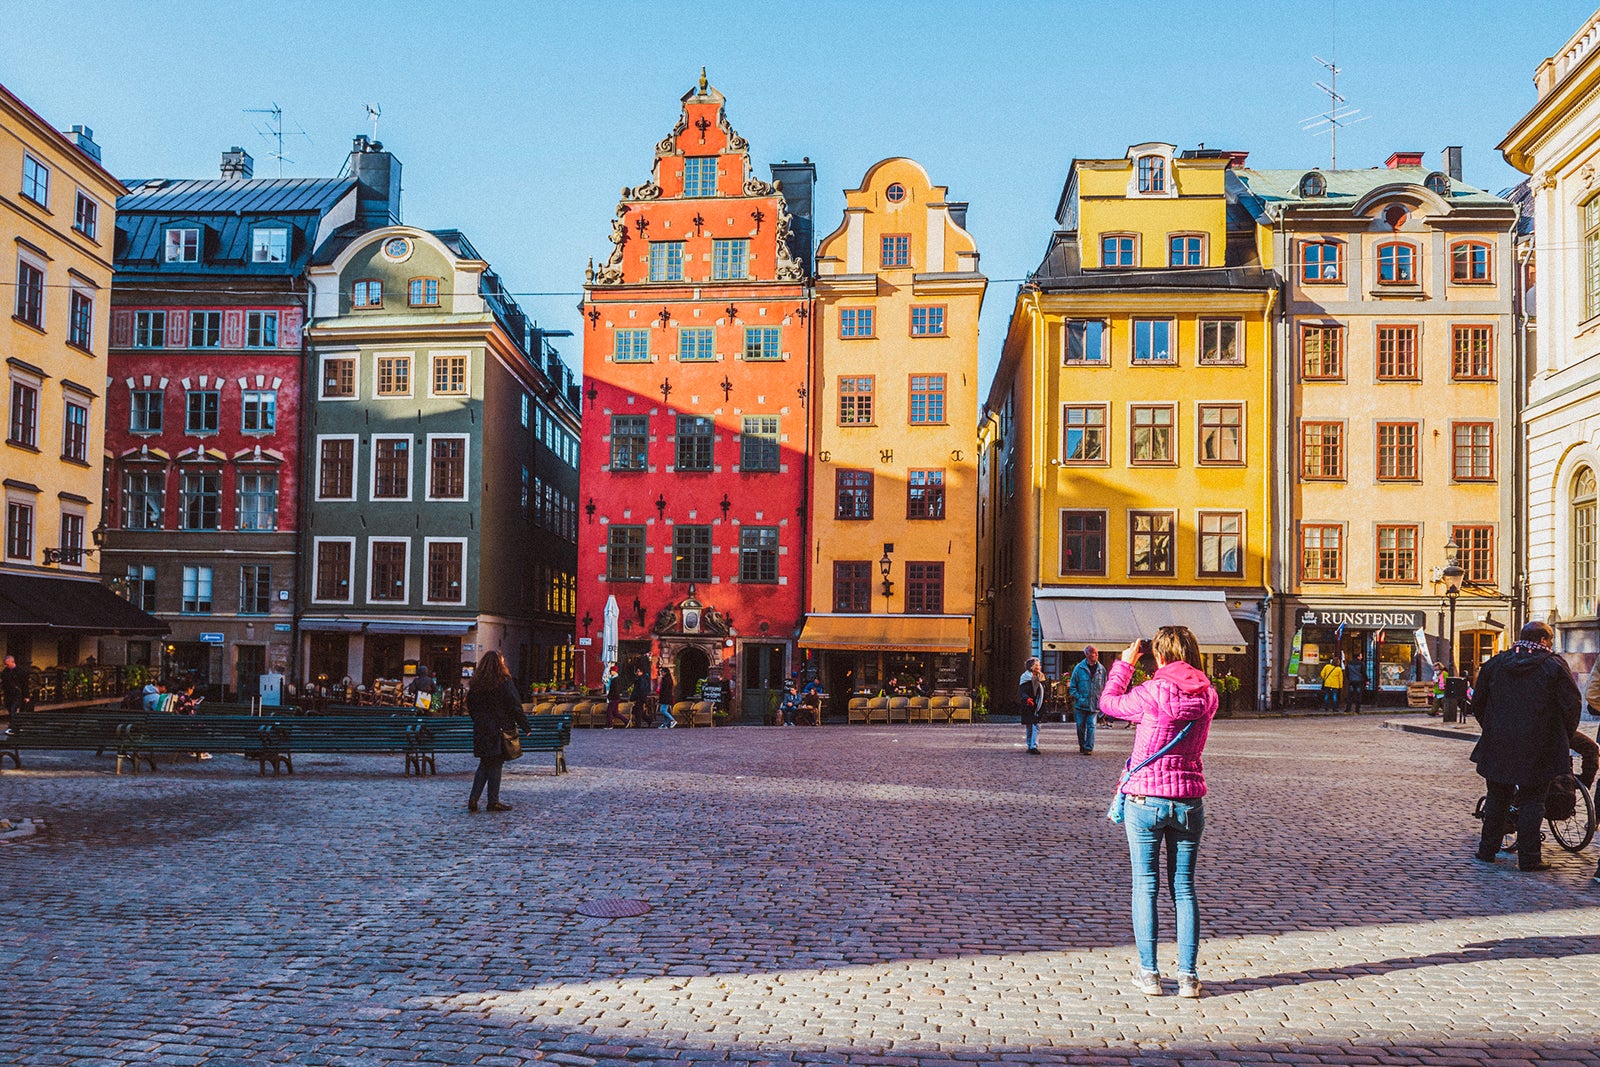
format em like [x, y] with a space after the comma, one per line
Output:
[1152, 174]
[1437, 183]
[1397, 264]
[269, 244]
[1313, 184]
[367, 294]
[183, 244]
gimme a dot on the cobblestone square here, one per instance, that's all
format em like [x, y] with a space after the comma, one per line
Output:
[913, 896]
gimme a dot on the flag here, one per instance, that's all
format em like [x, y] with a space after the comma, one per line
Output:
[1379, 639]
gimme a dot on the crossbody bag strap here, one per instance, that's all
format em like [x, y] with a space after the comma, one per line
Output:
[1162, 751]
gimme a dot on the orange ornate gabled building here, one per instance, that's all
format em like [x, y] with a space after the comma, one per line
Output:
[696, 353]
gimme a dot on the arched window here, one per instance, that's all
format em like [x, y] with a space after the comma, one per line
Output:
[1394, 216]
[1469, 262]
[1437, 183]
[1397, 264]
[1313, 184]
[1583, 541]
[1591, 257]
[1152, 174]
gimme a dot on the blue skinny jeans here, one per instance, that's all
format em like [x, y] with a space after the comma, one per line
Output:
[1178, 823]
[1032, 731]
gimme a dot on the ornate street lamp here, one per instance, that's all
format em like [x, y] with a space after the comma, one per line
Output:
[885, 565]
[1453, 577]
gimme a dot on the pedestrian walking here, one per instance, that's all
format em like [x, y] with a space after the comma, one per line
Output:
[640, 695]
[1030, 695]
[422, 687]
[1355, 684]
[13, 685]
[616, 689]
[1332, 682]
[1528, 706]
[496, 710]
[1088, 679]
[666, 695]
[1164, 792]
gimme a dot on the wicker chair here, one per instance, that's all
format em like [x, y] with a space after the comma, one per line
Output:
[878, 710]
[899, 709]
[918, 711]
[857, 712]
[961, 708]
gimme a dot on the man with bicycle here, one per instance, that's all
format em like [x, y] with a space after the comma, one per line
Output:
[1528, 706]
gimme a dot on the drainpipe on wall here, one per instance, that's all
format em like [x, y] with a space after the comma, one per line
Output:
[302, 541]
[1282, 511]
[1519, 466]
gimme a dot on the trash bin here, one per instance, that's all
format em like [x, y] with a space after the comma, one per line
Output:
[1455, 699]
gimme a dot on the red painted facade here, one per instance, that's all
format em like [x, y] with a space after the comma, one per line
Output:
[230, 369]
[722, 334]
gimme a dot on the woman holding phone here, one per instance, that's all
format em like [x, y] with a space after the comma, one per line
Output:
[1164, 794]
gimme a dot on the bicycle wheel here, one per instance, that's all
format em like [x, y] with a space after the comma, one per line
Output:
[1575, 831]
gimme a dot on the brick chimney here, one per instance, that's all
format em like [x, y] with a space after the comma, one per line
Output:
[1404, 159]
[237, 165]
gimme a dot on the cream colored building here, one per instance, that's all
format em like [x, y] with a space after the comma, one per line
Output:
[894, 404]
[1558, 143]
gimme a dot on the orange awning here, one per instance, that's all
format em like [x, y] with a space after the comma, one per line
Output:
[889, 633]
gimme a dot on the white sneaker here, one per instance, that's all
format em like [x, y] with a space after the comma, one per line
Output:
[1189, 986]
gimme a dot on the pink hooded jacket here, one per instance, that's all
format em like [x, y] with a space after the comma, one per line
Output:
[1175, 695]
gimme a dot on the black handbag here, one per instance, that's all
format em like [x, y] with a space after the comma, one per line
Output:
[510, 745]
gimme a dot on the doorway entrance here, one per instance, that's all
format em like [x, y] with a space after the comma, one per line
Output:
[1476, 647]
[248, 669]
[385, 657]
[330, 658]
[692, 667]
[765, 667]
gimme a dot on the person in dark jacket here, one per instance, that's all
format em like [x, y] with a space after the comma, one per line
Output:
[13, 686]
[495, 707]
[1030, 696]
[666, 696]
[640, 695]
[1528, 706]
[1355, 684]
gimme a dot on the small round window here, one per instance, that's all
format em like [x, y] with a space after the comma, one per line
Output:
[397, 248]
[896, 193]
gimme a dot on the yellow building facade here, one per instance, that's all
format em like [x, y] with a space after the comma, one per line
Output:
[57, 225]
[1131, 422]
[894, 400]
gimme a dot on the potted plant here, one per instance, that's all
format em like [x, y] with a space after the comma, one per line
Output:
[1227, 685]
[980, 703]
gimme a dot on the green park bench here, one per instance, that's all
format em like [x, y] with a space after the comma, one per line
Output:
[64, 731]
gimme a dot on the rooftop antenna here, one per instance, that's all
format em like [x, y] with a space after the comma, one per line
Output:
[374, 113]
[1338, 114]
[276, 133]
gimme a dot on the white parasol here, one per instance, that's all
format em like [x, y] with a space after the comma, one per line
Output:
[608, 638]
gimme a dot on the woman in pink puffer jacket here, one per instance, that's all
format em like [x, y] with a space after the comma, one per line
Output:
[1165, 798]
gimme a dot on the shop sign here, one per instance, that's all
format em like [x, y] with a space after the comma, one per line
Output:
[585, 642]
[1364, 620]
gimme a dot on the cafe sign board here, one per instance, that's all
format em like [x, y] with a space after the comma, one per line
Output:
[1364, 620]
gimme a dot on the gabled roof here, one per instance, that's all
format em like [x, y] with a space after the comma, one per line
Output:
[227, 210]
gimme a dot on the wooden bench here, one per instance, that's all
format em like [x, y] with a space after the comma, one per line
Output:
[93, 730]
[545, 733]
[261, 738]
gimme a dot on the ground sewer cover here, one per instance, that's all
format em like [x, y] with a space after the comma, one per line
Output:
[612, 908]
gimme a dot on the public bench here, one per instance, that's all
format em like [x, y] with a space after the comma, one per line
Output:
[67, 731]
[545, 733]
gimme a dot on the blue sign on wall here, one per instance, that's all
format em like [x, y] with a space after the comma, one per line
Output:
[281, 627]
[211, 639]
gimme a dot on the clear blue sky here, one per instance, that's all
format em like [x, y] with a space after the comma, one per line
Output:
[519, 122]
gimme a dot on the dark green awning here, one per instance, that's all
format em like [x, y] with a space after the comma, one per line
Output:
[69, 605]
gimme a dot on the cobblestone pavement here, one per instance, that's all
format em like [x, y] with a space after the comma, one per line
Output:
[919, 896]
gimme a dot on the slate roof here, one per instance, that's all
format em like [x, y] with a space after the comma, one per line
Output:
[1063, 269]
[1271, 186]
[227, 210]
[1521, 194]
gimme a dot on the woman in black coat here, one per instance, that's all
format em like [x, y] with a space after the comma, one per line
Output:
[495, 707]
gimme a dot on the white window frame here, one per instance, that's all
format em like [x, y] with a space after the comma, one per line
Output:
[21, 499]
[405, 597]
[426, 543]
[211, 589]
[255, 247]
[466, 377]
[34, 263]
[244, 412]
[42, 168]
[355, 377]
[35, 383]
[466, 467]
[183, 245]
[92, 230]
[1200, 359]
[350, 575]
[372, 469]
[73, 510]
[75, 292]
[411, 375]
[355, 475]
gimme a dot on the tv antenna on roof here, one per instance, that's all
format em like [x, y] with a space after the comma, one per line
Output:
[276, 133]
[374, 113]
[1336, 117]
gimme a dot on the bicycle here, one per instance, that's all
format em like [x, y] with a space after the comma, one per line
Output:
[1569, 812]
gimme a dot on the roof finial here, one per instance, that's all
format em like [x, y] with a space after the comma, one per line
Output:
[702, 81]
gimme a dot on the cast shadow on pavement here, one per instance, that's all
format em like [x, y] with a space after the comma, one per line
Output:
[1505, 948]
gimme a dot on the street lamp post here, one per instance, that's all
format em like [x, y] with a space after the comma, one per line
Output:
[1452, 575]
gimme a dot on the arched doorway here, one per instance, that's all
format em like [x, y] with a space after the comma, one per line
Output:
[692, 667]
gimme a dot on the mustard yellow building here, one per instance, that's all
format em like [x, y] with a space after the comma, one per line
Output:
[57, 225]
[894, 395]
[1131, 423]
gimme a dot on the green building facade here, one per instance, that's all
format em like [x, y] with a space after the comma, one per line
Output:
[441, 469]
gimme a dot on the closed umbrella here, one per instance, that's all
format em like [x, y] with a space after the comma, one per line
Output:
[608, 637]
